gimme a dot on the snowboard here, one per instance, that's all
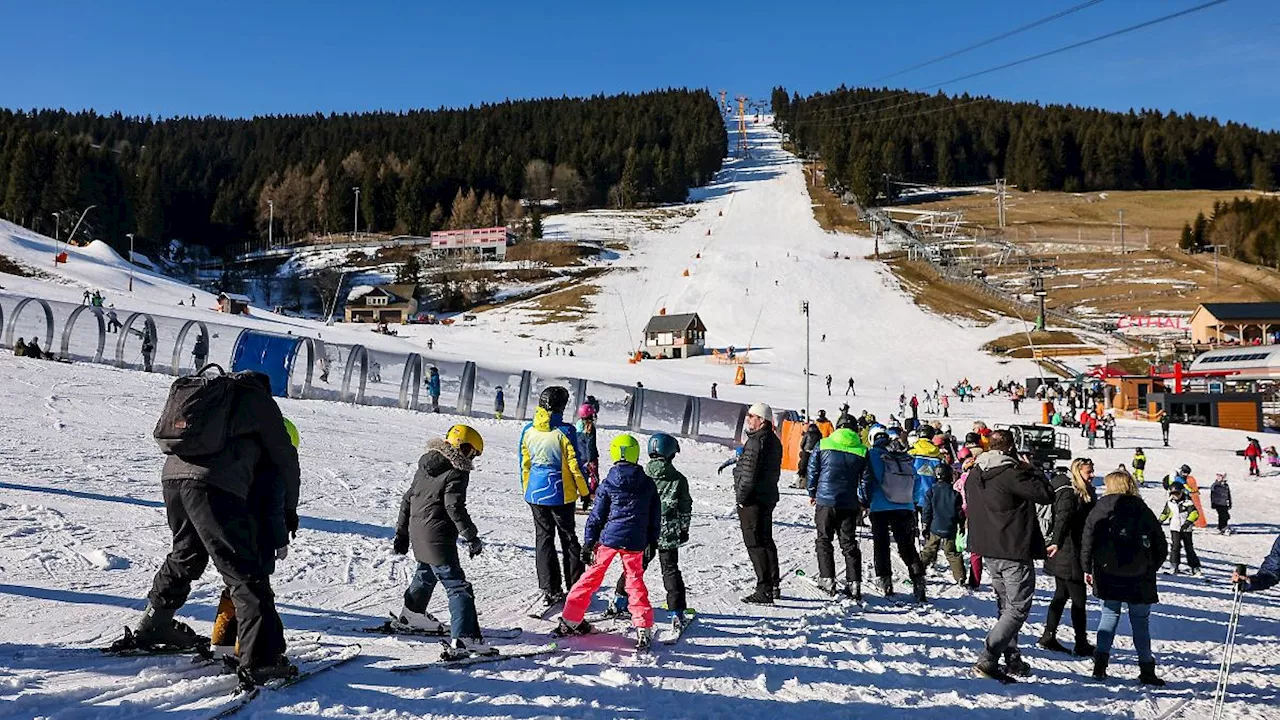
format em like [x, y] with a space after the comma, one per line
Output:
[393, 627]
[326, 657]
[478, 659]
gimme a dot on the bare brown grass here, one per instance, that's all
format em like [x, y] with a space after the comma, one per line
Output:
[548, 252]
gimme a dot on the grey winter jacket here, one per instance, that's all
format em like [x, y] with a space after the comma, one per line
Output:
[433, 512]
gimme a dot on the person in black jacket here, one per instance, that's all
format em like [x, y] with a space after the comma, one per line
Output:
[1220, 501]
[1122, 547]
[755, 486]
[808, 444]
[433, 515]
[942, 515]
[1073, 499]
[1002, 493]
[207, 503]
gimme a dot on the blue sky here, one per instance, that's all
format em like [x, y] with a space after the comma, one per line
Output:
[249, 58]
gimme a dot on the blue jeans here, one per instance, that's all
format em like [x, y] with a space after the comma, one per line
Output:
[462, 600]
[1139, 619]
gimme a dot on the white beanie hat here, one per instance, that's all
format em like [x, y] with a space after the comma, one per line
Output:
[761, 410]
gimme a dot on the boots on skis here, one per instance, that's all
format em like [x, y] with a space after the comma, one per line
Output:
[254, 675]
[644, 639]
[418, 622]
[565, 629]
[459, 648]
[158, 632]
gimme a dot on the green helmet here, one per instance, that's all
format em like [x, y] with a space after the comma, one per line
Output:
[625, 447]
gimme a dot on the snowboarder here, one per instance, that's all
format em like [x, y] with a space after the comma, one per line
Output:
[433, 388]
[499, 404]
[1121, 549]
[828, 385]
[677, 513]
[1220, 501]
[849, 390]
[206, 499]
[200, 352]
[1139, 467]
[1181, 514]
[588, 451]
[886, 490]
[755, 485]
[625, 520]
[1073, 500]
[835, 469]
[552, 479]
[433, 517]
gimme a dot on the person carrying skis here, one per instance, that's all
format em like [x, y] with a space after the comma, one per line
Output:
[1181, 514]
[1073, 500]
[808, 445]
[942, 518]
[433, 388]
[625, 520]
[499, 404]
[1003, 528]
[433, 516]
[677, 514]
[552, 480]
[755, 486]
[209, 469]
[588, 451]
[1121, 549]
[1220, 501]
[1268, 573]
[886, 491]
[1139, 465]
[834, 473]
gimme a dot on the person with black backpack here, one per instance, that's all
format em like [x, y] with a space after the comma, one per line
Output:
[1122, 547]
[215, 431]
[887, 490]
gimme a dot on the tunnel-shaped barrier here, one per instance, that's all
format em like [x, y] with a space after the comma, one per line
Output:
[719, 420]
[485, 392]
[139, 358]
[268, 353]
[615, 403]
[302, 376]
[356, 372]
[410, 382]
[67, 352]
[665, 412]
[179, 345]
[3, 334]
[11, 335]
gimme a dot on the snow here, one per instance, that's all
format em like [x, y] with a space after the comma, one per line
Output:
[82, 525]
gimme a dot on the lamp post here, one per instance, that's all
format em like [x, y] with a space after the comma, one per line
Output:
[804, 308]
[57, 226]
[271, 222]
[355, 215]
[130, 236]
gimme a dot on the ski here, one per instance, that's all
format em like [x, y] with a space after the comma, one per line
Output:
[478, 659]
[538, 610]
[128, 646]
[690, 615]
[344, 655]
[392, 627]
[1173, 710]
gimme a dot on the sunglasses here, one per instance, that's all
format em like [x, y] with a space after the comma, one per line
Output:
[1086, 461]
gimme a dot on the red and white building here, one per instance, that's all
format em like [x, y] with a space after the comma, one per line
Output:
[486, 243]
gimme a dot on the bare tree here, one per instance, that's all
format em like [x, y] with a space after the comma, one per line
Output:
[537, 180]
[326, 283]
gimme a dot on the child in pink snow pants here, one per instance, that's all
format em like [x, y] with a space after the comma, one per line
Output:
[575, 607]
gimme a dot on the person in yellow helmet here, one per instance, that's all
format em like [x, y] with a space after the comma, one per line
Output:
[433, 516]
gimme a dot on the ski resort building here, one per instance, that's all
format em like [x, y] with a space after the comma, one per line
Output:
[486, 243]
[675, 336]
[391, 304]
[233, 304]
[1255, 323]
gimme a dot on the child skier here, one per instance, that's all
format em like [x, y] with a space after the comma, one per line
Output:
[625, 519]
[1181, 514]
[942, 517]
[588, 451]
[1140, 467]
[677, 511]
[499, 404]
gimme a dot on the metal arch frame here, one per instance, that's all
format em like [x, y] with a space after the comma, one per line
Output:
[48, 320]
[411, 382]
[315, 349]
[2, 343]
[358, 354]
[71, 323]
[176, 367]
[149, 325]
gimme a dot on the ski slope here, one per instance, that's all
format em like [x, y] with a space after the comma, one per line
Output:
[82, 530]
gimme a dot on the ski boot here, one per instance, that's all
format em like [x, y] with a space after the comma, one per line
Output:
[678, 621]
[617, 607]
[762, 596]
[157, 631]
[644, 639]
[254, 675]
[459, 648]
[564, 629]
[422, 622]
[827, 586]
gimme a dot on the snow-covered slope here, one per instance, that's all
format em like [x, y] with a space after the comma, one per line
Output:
[82, 530]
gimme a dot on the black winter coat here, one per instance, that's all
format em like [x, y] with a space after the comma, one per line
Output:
[1220, 495]
[433, 513]
[943, 510]
[1069, 515]
[256, 442]
[755, 477]
[1099, 555]
[1002, 497]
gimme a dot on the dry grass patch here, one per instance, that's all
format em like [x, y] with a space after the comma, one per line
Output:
[549, 252]
[563, 306]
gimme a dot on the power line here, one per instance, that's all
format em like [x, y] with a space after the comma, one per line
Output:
[1115, 33]
[991, 40]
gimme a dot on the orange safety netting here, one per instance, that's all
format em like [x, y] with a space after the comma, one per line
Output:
[791, 435]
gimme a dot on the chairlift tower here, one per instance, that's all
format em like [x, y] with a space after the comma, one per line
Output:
[742, 148]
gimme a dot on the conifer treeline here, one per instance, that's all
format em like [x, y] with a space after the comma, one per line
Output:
[1247, 229]
[862, 133]
[208, 180]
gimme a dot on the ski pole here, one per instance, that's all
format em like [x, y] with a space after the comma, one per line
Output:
[1228, 650]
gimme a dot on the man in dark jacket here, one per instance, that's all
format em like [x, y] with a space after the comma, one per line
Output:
[433, 515]
[206, 501]
[1268, 573]
[200, 353]
[755, 485]
[1002, 493]
[808, 443]
[835, 472]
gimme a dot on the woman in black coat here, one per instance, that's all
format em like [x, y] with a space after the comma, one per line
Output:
[1073, 499]
[1122, 547]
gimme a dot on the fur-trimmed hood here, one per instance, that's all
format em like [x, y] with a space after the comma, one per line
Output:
[451, 455]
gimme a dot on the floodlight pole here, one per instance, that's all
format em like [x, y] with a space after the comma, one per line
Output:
[130, 236]
[804, 308]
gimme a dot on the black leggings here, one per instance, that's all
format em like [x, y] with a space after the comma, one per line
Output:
[1075, 591]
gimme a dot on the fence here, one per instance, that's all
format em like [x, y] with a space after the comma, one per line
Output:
[317, 370]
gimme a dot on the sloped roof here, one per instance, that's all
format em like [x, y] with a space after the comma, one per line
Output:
[674, 323]
[1246, 312]
[402, 293]
[236, 297]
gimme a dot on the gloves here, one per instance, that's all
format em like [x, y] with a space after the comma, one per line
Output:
[684, 536]
[401, 546]
[475, 547]
[588, 554]
[282, 553]
[291, 523]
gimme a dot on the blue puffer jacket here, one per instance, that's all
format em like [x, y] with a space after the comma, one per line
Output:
[927, 459]
[550, 473]
[869, 493]
[627, 514]
[836, 469]
[433, 385]
[943, 510]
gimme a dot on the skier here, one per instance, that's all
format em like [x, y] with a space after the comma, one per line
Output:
[433, 516]
[588, 451]
[433, 388]
[808, 444]
[206, 500]
[755, 485]
[1002, 494]
[1073, 500]
[1268, 573]
[552, 480]
[828, 385]
[713, 391]
[677, 513]
[849, 390]
[193, 299]
[625, 520]
[942, 518]
[834, 472]
[946, 406]
[1220, 500]
[200, 352]
[1121, 549]
[1181, 514]
[886, 490]
[1252, 452]
[499, 404]
[84, 300]
[539, 351]
[113, 322]
[1139, 467]
[148, 350]
[1164, 426]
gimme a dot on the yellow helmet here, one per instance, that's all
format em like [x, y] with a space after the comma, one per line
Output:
[625, 447]
[292, 429]
[460, 435]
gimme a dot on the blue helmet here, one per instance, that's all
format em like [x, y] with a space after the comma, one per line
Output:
[663, 445]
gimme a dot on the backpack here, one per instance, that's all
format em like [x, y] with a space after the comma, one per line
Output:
[196, 415]
[1129, 544]
[899, 481]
